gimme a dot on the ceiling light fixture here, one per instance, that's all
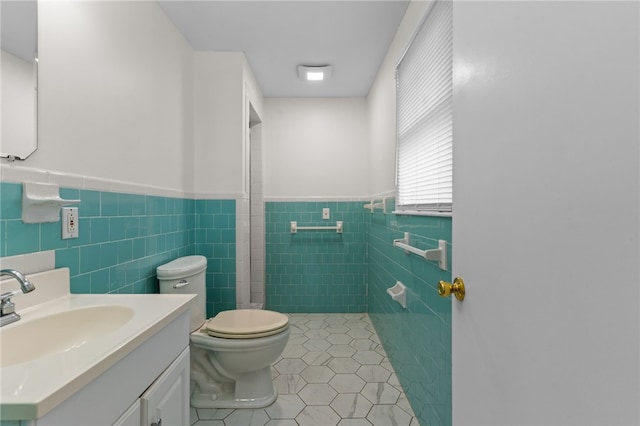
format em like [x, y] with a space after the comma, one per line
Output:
[314, 73]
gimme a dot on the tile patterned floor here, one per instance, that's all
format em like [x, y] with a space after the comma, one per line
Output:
[333, 372]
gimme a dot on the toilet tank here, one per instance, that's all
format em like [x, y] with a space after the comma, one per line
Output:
[187, 275]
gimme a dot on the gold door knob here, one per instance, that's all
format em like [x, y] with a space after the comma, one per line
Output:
[457, 288]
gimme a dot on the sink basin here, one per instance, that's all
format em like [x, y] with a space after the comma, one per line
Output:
[66, 342]
[27, 340]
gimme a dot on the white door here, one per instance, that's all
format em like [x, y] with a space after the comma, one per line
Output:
[546, 213]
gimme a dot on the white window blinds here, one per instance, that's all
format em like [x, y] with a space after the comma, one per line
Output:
[425, 116]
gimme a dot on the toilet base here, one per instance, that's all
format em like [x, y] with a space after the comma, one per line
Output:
[250, 390]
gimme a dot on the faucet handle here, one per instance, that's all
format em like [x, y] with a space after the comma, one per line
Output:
[5, 297]
[7, 307]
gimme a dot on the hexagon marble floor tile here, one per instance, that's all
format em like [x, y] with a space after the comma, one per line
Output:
[333, 372]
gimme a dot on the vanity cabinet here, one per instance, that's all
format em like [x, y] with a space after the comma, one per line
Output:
[166, 402]
[149, 383]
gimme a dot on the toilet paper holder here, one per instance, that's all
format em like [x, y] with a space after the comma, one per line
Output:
[399, 293]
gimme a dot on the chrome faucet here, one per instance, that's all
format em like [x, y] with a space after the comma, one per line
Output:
[7, 307]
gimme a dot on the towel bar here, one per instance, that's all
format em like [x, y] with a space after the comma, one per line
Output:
[295, 228]
[375, 206]
[439, 255]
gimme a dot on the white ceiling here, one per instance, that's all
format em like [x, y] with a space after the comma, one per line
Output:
[277, 36]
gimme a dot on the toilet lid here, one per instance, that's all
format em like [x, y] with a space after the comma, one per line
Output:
[246, 324]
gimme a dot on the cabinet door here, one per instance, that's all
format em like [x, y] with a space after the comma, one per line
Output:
[167, 399]
[131, 417]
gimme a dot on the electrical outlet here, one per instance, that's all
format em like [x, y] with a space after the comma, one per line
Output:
[326, 212]
[70, 226]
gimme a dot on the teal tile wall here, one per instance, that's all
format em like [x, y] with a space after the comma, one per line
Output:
[315, 271]
[124, 237]
[215, 238]
[417, 339]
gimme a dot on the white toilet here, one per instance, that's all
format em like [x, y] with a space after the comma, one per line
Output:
[231, 353]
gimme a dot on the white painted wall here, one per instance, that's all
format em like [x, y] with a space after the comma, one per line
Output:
[115, 94]
[253, 105]
[546, 213]
[253, 92]
[224, 88]
[124, 98]
[382, 104]
[315, 147]
[219, 115]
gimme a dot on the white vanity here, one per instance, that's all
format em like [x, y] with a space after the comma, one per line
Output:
[90, 360]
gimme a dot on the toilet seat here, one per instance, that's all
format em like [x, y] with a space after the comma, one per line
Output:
[246, 324]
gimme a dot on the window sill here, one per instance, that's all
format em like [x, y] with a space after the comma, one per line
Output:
[422, 213]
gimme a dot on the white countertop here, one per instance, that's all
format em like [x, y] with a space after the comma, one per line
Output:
[31, 389]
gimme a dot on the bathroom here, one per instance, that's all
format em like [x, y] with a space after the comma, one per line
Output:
[149, 135]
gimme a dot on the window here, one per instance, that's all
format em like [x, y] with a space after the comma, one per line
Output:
[425, 116]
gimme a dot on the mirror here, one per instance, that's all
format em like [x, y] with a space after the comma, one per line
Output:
[19, 40]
